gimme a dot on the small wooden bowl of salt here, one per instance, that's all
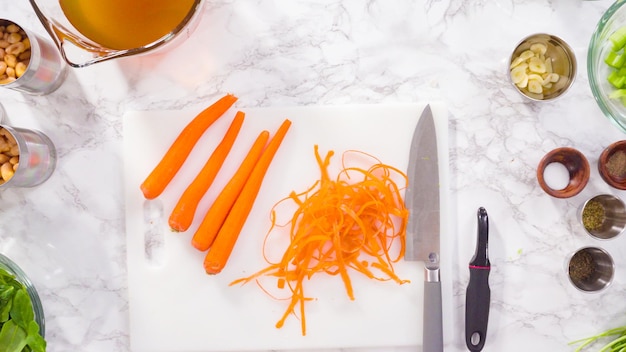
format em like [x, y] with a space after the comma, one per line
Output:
[574, 165]
[612, 165]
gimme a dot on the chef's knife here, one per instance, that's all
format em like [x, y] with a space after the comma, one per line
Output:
[478, 292]
[422, 234]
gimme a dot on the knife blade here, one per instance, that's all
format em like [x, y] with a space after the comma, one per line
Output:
[423, 227]
[478, 292]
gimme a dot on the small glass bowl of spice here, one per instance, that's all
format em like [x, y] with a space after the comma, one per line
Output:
[590, 269]
[603, 216]
[612, 165]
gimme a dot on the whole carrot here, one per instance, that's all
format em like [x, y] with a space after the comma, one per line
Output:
[183, 213]
[224, 243]
[178, 152]
[214, 218]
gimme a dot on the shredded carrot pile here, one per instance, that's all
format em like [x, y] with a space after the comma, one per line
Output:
[341, 226]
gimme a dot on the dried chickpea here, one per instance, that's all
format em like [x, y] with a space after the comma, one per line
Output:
[15, 49]
[4, 145]
[7, 80]
[12, 28]
[14, 151]
[15, 52]
[10, 60]
[7, 136]
[9, 155]
[20, 69]
[6, 171]
[14, 38]
[10, 71]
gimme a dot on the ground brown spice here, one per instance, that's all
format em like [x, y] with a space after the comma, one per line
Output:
[616, 165]
[582, 266]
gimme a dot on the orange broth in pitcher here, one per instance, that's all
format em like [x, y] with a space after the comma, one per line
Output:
[125, 24]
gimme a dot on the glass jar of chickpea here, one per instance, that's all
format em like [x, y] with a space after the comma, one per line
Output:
[29, 63]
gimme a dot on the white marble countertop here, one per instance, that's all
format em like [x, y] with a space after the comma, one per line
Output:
[68, 234]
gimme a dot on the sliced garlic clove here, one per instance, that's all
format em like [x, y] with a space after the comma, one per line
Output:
[534, 86]
[518, 60]
[539, 48]
[518, 73]
[527, 55]
[535, 77]
[554, 77]
[523, 83]
[536, 65]
[548, 63]
[541, 57]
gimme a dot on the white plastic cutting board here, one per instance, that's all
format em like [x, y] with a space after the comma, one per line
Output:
[175, 306]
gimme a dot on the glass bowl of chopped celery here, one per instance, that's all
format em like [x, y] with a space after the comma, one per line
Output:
[606, 64]
[21, 312]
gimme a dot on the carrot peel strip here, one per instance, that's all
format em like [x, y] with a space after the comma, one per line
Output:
[340, 226]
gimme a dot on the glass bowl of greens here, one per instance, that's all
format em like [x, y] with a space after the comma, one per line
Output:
[606, 64]
[22, 323]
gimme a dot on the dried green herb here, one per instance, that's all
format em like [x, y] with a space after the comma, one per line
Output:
[616, 165]
[593, 215]
[582, 266]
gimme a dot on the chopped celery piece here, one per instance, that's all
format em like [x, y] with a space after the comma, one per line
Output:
[615, 59]
[618, 94]
[616, 79]
[618, 38]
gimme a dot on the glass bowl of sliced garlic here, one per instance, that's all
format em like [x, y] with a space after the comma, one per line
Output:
[542, 67]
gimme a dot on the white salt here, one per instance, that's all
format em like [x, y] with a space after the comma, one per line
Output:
[556, 176]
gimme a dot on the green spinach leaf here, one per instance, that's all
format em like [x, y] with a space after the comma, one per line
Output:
[22, 309]
[34, 340]
[12, 337]
[19, 332]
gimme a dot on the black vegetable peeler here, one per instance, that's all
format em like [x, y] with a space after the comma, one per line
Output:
[478, 295]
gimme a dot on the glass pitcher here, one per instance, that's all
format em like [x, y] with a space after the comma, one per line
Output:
[91, 31]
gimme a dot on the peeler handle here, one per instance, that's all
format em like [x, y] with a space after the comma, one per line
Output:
[478, 295]
[477, 309]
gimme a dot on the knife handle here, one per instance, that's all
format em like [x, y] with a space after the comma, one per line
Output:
[477, 308]
[433, 321]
